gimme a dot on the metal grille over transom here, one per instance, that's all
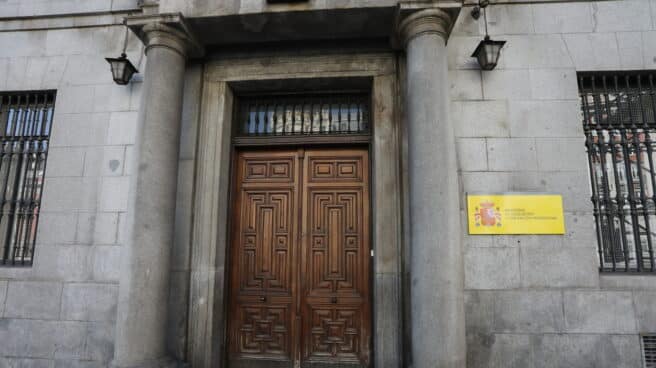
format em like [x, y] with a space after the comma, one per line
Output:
[619, 112]
[25, 122]
[304, 115]
[649, 350]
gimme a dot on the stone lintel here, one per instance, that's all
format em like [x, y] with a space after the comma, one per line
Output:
[418, 17]
[166, 30]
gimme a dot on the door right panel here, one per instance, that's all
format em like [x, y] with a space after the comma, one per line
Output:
[335, 246]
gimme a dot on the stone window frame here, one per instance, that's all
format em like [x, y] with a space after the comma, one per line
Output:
[210, 236]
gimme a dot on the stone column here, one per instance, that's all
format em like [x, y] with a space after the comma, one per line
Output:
[436, 261]
[142, 312]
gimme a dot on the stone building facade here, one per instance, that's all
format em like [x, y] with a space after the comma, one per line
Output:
[134, 257]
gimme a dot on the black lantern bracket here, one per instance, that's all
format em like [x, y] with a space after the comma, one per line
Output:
[122, 68]
[488, 51]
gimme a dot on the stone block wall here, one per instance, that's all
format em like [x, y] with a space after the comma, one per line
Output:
[61, 311]
[23, 8]
[539, 301]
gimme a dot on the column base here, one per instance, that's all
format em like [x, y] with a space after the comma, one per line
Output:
[160, 363]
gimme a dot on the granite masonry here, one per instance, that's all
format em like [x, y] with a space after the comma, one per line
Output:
[131, 268]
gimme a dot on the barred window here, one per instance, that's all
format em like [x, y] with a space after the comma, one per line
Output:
[619, 110]
[304, 115]
[25, 123]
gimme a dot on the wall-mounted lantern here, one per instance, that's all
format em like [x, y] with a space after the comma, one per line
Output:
[122, 68]
[488, 51]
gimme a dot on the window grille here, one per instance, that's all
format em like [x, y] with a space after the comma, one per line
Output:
[649, 350]
[296, 115]
[25, 123]
[619, 112]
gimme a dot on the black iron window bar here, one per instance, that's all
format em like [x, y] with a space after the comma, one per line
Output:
[619, 111]
[649, 350]
[25, 123]
[303, 115]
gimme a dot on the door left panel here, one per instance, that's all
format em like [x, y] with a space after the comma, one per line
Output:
[263, 287]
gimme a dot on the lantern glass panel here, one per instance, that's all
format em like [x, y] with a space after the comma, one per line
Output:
[122, 70]
[487, 53]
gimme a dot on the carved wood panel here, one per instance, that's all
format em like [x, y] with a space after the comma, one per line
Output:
[300, 259]
[263, 256]
[335, 295]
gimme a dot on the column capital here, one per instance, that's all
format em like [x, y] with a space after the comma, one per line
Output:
[430, 20]
[166, 30]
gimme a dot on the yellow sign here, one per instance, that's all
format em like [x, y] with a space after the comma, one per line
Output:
[515, 214]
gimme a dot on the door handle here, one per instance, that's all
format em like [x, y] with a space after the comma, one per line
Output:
[263, 298]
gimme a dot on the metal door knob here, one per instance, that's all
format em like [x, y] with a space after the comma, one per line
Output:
[263, 298]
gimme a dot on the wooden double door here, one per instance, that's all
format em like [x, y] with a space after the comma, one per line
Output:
[300, 259]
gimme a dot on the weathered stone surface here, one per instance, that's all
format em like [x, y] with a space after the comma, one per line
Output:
[479, 310]
[509, 19]
[78, 364]
[576, 350]
[99, 343]
[465, 85]
[580, 230]
[65, 263]
[559, 267]
[500, 182]
[644, 302]
[503, 154]
[492, 268]
[599, 312]
[25, 363]
[77, 129]
[474, 119]
[510, 351]
[649, 49]
[89, 302]
[65, 161]
[500, 84]
[56, 228]
[592, 51]
[386, 297]
[553, 84]
[534, 51]
[574, 186]
[562, 18]
[42, 339]
[550, 153]
[611, 16]
[472, 154]
[114, 194]
[631, 51]
[611, 281]
[104, 260]
[528, 312]
[36, 300]
[3, 296]
[122, 128]
[545, 118]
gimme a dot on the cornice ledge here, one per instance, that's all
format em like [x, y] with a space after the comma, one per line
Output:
[418, 17]
[166, 30]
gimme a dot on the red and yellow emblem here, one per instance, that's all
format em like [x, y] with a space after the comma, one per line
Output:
[515, 214]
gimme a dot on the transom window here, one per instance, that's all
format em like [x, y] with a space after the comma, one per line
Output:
[25, 123]
[303, 115]
[619, 111]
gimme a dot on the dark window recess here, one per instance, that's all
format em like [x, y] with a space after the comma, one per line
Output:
[620, 130]
[649, 350]
[303, 115]
[25, 123]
